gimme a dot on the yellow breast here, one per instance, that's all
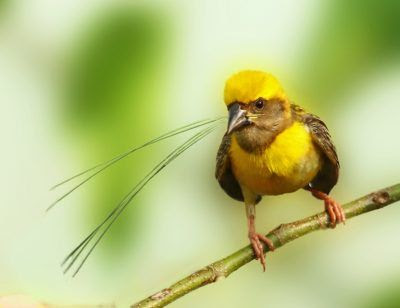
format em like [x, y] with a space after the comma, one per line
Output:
[289, 163]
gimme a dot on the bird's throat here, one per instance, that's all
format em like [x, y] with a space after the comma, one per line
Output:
[255, 139]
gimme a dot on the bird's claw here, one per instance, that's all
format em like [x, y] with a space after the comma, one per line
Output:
[334, 211]
[256, 241]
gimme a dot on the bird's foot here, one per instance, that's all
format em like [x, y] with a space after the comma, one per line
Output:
[334, 211]
[256, 241]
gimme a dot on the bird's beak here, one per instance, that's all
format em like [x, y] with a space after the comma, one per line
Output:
[237, 118]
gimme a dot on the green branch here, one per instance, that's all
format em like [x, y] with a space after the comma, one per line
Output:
[279, 236]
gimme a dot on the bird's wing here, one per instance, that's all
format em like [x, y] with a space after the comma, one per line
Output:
[328, 175]
[223, 171]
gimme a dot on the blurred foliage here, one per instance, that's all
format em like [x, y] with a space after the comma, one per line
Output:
[352, 39]
[116, 84]
[111, 78]
[3, 6]
[113, 63]
[388, 296]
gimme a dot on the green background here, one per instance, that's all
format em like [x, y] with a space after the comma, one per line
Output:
[82, 81]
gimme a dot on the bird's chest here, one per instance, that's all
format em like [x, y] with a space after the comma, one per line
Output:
[289, 163]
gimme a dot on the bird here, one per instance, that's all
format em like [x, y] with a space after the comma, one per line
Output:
[272, 147]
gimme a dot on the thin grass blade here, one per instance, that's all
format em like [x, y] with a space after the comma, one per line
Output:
[114, 160]
[111, 218]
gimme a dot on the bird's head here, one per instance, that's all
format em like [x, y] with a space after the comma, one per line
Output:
[258, 107]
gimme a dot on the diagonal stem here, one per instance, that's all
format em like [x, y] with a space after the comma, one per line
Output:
[279, 236]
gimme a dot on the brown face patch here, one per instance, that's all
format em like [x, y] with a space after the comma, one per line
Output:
[269, 118]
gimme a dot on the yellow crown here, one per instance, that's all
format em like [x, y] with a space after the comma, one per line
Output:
[246, 86]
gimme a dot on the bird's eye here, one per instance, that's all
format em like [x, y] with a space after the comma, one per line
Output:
[259, 104]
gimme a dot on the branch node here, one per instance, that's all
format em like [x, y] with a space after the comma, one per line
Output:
[278, 232]
[381, 197]
[217, 275]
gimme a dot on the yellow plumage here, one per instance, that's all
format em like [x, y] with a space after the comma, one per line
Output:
[289, 163]
[246, 86]
[271, 147]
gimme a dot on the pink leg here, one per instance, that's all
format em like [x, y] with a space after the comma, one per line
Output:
[333, 209]
[256, 240]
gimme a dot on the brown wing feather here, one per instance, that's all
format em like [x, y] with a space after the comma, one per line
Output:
[223, 171]
[327, 177]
